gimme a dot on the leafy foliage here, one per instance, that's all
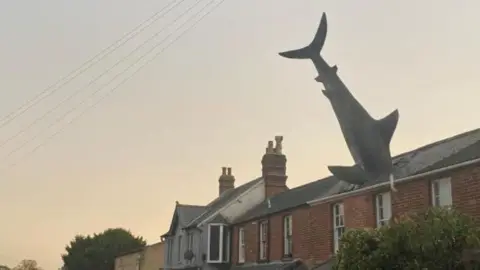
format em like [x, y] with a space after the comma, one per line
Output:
[98, 252]
[433, 240]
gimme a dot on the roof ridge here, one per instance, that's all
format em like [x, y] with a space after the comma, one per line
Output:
[190, 205]
[430, 145]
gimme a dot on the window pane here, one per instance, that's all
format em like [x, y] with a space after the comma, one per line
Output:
[214, 243]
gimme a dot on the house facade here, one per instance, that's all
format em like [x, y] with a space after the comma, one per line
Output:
[205, 240]
[303, 225]
[147, 258]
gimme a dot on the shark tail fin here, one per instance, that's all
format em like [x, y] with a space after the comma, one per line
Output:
[353, 175]
[314, 48]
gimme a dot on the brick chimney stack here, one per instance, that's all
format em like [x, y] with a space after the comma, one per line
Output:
[226, 181]
[274, 168]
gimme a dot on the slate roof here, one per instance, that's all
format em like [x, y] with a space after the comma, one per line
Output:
[222, 200]
[447, 152]
[274, 265]
[183, 215]
[290, 198]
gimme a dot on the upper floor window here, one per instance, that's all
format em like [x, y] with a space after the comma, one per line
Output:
[179, 255]
[383, 207]
[287, 236]
[263, 240]
[218, 243]
[189, 247]
[338, 225]
[241, 245]
[442, 192]
[169, 251]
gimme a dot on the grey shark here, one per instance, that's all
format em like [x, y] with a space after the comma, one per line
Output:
[367, 139]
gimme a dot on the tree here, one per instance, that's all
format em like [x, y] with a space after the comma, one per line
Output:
[4, 267]
[98, 252]
[435, 239]
[27, 265]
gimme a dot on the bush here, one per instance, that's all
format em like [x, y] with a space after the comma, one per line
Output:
[432, 240]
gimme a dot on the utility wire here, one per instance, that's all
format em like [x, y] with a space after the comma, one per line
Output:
[79, 90]
[48, 139]
[86, 65]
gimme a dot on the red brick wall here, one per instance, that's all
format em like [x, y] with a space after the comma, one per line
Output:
[313, 226]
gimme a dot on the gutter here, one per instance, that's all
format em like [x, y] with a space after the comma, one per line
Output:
[386, 184]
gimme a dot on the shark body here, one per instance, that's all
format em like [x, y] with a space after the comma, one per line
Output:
[368, 139]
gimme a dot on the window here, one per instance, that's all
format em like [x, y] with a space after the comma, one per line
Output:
[190, 241]
[442, 192]
[169, 251]
[218, 243]
[383, 208]
[287, 236]
[241, 245]
[179, 257]
[189, 245]
[263, 240]
[338, 225]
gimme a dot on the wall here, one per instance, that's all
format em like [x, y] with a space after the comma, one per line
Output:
[150, 258]
[153, 257]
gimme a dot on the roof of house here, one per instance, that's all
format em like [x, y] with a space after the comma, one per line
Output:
[183, 215]
[289, 199]
[221, 201]
[447, 152]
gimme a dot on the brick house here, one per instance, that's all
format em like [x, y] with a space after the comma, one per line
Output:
[304, 224]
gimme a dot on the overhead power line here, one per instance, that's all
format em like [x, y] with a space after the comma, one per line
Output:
[50, 90]
[79, 90]
[112, 90]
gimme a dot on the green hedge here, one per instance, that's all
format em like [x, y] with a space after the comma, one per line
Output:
[434, 239]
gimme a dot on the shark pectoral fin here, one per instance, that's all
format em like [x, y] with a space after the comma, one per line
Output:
[387, 126]
[352, 175]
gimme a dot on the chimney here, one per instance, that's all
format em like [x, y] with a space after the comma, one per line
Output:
[226, 181]
[274, 168]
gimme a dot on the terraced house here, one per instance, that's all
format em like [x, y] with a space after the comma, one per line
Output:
[301, 227]
[200, 237]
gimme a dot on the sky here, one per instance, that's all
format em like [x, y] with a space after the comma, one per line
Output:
[213, 98]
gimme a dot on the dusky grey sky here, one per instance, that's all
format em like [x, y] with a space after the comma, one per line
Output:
[214, 98]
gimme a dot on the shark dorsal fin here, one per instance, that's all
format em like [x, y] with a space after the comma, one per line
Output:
[387, 126]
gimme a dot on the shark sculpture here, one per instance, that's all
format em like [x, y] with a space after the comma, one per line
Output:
[367, 139]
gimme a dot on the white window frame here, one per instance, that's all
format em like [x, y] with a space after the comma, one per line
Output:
[190, 242]
[241, 245]
[220, 242]
[338, 224]
[287, 235]
[442, 192]
[383, 205]
[263, 240]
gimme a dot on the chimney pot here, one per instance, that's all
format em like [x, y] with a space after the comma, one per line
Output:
[229, 171]
[278, 144]
[269, 149]
[224, 170]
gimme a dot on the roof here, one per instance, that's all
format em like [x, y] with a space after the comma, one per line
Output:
[447, 152]
[183, 215]
[290, 198]
[223, 200]
[274, 265]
